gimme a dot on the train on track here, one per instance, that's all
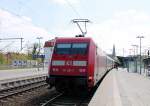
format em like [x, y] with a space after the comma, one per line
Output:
[77, 63]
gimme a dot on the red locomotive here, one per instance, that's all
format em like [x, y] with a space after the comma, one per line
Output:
[77, 63]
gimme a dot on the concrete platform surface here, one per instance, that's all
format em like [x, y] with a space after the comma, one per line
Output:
[120, 88]
[18, 73]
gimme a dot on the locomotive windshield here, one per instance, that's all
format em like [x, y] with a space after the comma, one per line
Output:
[71, 48]
[63, 48]
[79, 48]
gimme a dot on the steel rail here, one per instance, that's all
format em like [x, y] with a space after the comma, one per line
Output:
[80, 101]
[21, 90]
[19, 86]
[52, 99]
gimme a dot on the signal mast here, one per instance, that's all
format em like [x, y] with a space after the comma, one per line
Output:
[78, 21]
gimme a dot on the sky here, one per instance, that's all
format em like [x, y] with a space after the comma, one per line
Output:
[116, 22]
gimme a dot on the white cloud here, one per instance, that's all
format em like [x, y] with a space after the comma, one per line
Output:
[63, 2]
[120, 30]
[13, 26]
[26, 18]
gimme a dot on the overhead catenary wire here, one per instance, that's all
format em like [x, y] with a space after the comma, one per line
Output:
[8, 45]
[22, 5]
[31, 9]
[73, 8]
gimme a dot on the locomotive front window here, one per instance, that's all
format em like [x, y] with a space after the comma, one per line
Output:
[63, 45]
[63, 48]
[71, 48]
[79, 45]
[79, 48]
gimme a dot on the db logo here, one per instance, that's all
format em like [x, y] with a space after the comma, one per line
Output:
[68, 63]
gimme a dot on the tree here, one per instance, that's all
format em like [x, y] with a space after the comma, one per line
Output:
[34, 50]
[2, 58]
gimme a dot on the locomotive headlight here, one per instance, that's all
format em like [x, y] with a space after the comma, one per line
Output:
[79, 63]
[90, 78]
[82, 70]
[55, 70]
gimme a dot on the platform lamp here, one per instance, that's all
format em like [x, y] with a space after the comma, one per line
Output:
[140, 37]
[135, 55]
[39, 38]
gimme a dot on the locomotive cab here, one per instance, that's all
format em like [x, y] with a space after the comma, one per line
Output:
[69, 59]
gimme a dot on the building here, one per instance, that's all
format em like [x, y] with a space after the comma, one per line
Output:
[48, 50]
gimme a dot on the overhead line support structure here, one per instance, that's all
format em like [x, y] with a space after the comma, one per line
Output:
[21, 39]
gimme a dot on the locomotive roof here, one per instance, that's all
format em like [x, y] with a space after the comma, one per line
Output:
[73, 39]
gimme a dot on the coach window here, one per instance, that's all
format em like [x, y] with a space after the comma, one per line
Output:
[96, 50]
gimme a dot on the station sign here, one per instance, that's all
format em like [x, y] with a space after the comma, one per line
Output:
[38, 56]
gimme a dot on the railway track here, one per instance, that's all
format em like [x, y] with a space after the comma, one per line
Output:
[63, 99]
[51, 98]
[8, 93]
[48, 102]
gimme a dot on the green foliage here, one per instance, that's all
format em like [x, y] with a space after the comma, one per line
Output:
[8, 57]
[34, 51]
[2, 58]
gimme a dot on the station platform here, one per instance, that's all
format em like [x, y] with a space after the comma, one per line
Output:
[18, 73]
[121, 88]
